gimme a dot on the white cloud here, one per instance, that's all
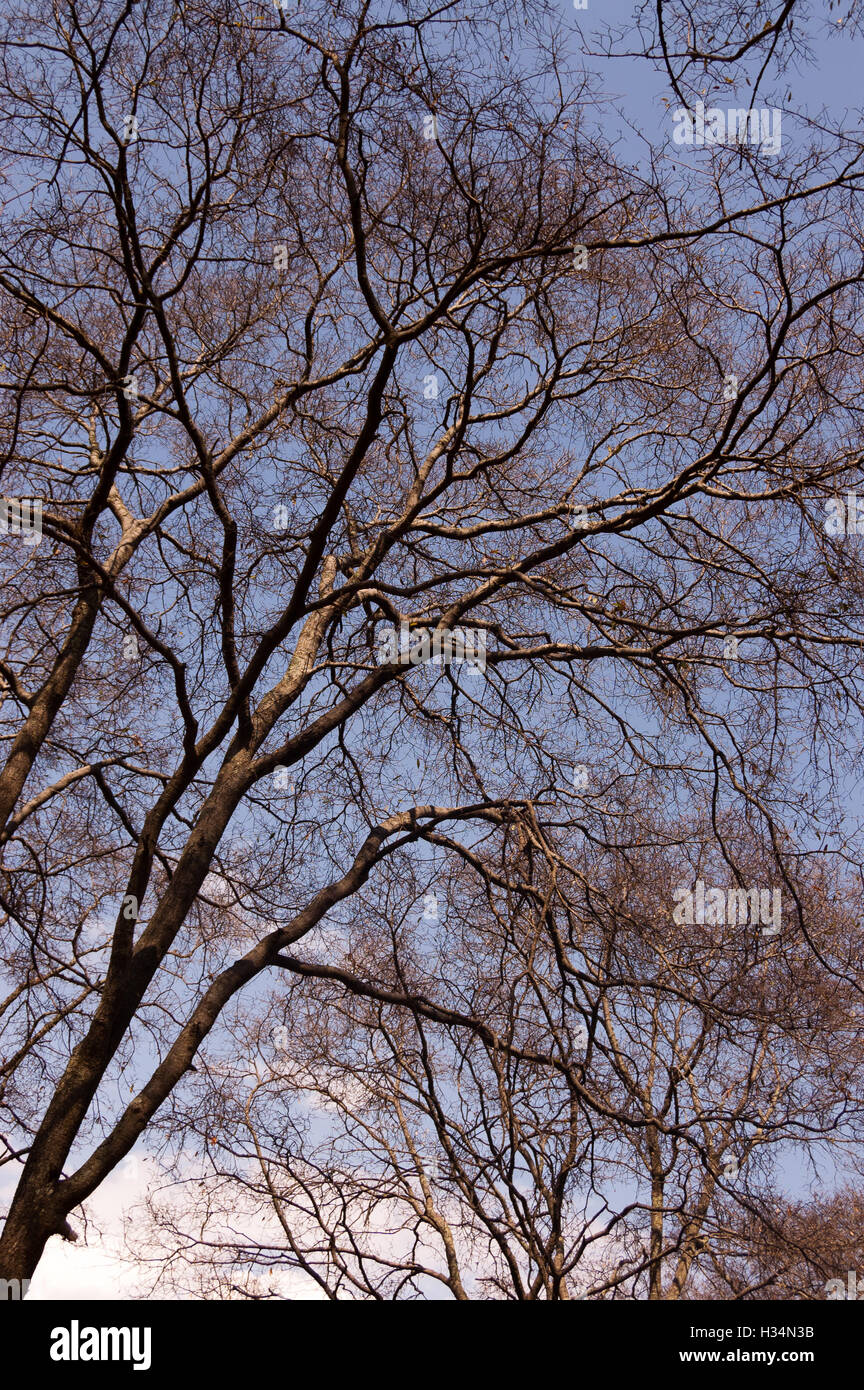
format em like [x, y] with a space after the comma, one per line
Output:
[93, 1267]
[91, 1272]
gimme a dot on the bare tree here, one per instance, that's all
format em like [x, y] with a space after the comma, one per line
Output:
[615, 1123]
[325, 334]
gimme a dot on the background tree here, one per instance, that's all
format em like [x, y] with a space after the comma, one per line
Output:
[617, 1124]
